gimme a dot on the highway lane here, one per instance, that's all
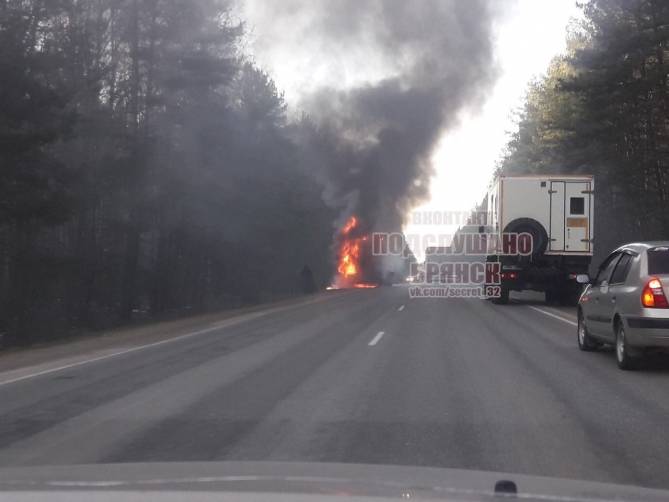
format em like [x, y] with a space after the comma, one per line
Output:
[360, 376]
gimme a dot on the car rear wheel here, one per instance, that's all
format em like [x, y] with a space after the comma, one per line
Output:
[623, 358]
[585, 341]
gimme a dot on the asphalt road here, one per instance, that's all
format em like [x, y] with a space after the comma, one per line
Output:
[449, 383]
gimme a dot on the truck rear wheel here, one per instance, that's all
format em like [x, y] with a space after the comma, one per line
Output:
[550, 296]
[566, 296]
[503, 297]
[569, 298]
[569, 295]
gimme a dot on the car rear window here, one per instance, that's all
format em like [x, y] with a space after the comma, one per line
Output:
[658, 261]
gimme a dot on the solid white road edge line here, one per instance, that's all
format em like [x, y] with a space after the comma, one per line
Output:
[108, 356]
[376, 339]
[560, 318]
[229, 322]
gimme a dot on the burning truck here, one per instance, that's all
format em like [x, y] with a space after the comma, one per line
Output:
[359, 267]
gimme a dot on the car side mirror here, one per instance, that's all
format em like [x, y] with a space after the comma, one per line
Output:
[583, 279]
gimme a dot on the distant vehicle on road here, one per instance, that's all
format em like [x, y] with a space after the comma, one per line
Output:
[557, 211]
[626, 303]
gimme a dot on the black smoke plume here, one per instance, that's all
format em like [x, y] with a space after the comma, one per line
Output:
[375, 140]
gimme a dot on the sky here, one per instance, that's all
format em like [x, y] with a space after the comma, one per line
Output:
[527, 36]
[465, 160]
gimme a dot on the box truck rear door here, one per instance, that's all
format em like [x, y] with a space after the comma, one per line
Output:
[577, 217]
[556, 232]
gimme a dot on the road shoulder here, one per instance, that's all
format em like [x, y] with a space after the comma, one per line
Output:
[19, 363]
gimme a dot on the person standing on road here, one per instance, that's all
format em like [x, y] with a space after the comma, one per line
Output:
[308, 283]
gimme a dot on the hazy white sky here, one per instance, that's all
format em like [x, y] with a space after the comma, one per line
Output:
[526, 42]
[533, 34]
[527, 38]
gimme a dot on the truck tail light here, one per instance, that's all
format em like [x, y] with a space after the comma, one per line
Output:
[509, 275]
[653, 295]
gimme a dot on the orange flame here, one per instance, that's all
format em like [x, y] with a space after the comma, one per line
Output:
[351, 224]
[349, 254]
[349, 259]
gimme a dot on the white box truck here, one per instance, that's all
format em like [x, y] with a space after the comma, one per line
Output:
[557, 211]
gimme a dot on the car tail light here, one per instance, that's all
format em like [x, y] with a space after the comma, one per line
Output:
[653, 295]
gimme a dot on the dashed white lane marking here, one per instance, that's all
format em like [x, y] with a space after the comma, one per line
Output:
[550, 314]
[376, 339]
[401, 308]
